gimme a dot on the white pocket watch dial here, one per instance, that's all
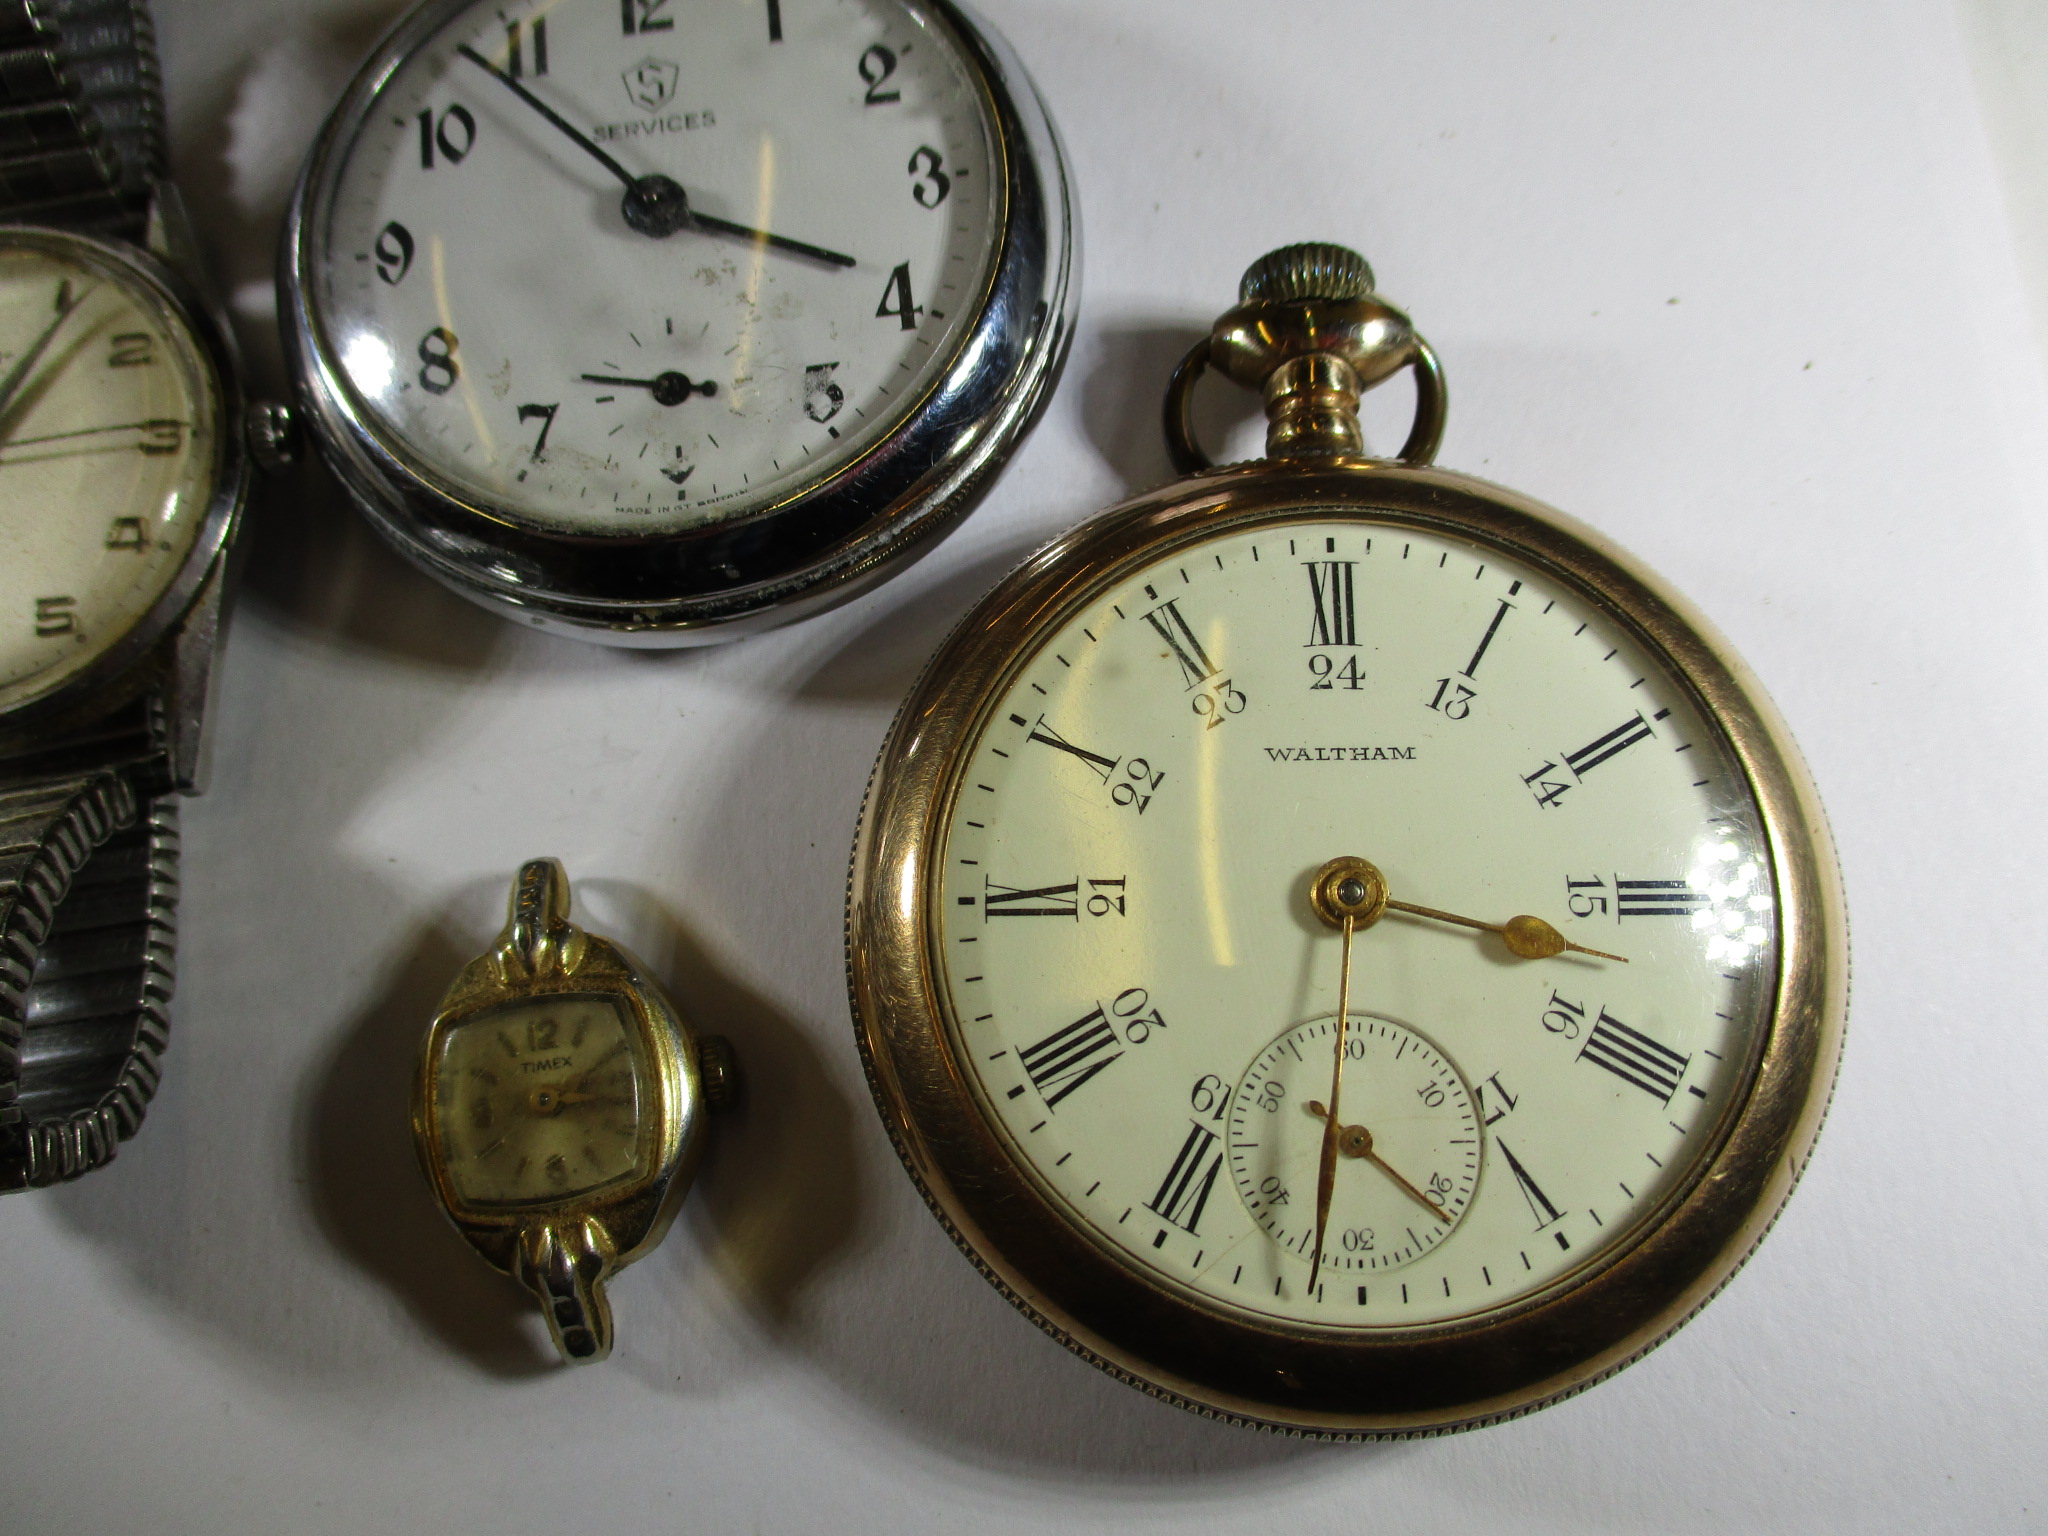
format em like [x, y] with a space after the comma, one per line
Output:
[518, 334]
[1133, 972]
[108, 453]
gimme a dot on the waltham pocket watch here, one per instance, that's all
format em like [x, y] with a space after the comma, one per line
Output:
[559, 1109]
[659, 322]
[1337, 943]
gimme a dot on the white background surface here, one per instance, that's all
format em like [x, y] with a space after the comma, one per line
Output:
[1735, 282]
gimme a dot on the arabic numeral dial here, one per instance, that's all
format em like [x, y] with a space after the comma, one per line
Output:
[107, 428]
[723, 350]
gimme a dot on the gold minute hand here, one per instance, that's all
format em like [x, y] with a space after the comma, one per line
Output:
[1326, 1162]
[1527, 938]
[1348, 893]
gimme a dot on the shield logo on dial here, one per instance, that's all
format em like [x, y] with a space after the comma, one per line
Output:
[651, 82]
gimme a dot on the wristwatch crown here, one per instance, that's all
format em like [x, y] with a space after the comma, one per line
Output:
[719, 1067]
[1315, 270]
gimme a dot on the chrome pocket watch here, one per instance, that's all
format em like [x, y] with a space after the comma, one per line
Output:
[658, 325]
[1338, 944]
[559, 1110]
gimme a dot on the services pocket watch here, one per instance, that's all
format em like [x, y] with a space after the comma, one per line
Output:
[1338, 944]
[657, 322]
[559, 1109]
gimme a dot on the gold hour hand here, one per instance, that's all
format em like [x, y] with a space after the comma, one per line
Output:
[1527, 938]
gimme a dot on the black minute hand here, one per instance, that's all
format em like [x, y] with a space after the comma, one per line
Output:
[654, 205]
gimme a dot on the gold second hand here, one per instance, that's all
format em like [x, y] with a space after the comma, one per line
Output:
[1356, 1141]
[1326, 1172]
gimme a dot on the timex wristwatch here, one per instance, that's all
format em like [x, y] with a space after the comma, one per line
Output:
[559, 1110]
[123, 471]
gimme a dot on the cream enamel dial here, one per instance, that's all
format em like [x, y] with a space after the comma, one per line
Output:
[1131, 972]
[541, 1100]
[108, 458]
[512, 322]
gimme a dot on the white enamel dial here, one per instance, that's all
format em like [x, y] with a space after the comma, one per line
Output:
[1131, 967]
[503, 321]
[108, 418]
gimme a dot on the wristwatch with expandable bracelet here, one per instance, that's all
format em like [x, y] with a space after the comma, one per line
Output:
[124, 467]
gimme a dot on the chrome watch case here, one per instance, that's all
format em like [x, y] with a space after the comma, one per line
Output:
[821, 545]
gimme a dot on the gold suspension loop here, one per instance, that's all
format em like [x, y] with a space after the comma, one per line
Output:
[1425, 435]
[1181, 447]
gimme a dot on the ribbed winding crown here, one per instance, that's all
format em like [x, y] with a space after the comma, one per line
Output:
[1311, 271]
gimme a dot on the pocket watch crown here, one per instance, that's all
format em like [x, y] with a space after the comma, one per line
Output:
[1314, 270]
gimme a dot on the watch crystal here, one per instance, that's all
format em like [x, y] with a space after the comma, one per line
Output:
[108, 457]
[540, 1100]
[629, 269]
[1137, 983]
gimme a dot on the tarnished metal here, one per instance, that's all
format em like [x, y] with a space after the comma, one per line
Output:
[72, 1088]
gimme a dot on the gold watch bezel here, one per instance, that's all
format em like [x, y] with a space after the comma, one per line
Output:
[1163, 1340]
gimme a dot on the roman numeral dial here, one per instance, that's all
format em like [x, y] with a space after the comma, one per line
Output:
[1333, 602]
[1068, 1059]
[1143, 998]
[1172, 627]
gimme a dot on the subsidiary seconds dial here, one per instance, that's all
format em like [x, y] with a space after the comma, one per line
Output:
[1407, 1114]
[605, 268]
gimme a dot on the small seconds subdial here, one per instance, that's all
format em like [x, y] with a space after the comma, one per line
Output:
[543, 1101]
[1408, 1143]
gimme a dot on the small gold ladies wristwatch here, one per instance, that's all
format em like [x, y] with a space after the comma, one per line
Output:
[559, 1108]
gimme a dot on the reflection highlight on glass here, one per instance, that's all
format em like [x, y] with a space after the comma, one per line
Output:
[1737, 913]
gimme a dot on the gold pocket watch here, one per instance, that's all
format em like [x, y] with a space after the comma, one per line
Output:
[559, 1109]
[1337, 943]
